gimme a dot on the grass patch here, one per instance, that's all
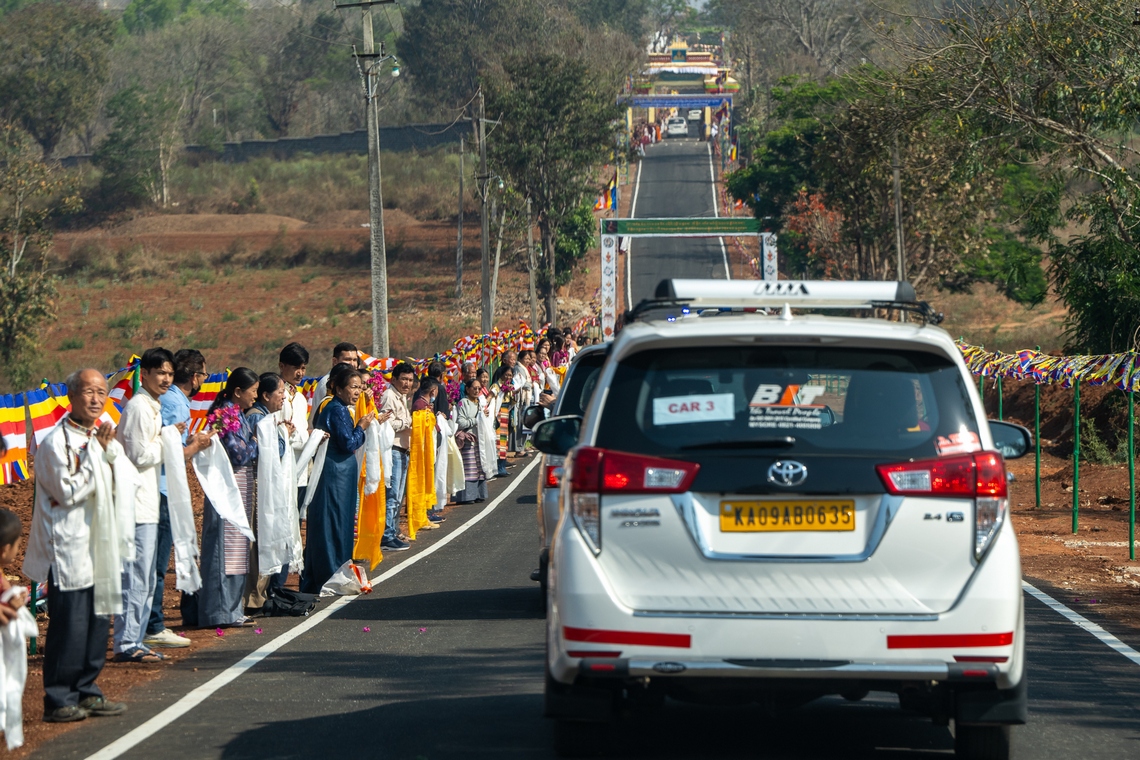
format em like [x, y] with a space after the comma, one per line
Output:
[200, 342]
[71, 344]
[425, 185]
[127, 324]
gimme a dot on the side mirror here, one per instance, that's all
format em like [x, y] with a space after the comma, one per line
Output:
[557, 435]
[1011, 441]
[533, 415]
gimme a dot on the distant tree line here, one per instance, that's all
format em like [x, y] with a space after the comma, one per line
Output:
[1013, 126]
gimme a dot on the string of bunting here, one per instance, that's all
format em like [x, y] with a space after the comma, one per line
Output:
[1121, 370]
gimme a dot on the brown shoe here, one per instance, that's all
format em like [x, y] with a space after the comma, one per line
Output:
[100, 707]
[68, 714]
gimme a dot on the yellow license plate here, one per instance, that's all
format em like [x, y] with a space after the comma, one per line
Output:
[782, 516]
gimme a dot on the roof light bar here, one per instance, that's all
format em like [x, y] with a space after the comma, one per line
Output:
[681, 297]
[816, 293]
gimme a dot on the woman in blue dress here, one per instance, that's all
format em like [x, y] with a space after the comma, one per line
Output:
[225, 551]
[332, 513]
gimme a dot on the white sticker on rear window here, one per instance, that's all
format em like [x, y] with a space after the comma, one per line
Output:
[679, 410]
[964, 442]
[787, 417]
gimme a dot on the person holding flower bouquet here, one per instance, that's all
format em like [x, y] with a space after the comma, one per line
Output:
[225, 549]
[477, 469]
[332, 512]
[502, 395]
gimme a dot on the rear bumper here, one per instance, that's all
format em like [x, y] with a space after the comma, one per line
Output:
[914, 670]
[980, 640]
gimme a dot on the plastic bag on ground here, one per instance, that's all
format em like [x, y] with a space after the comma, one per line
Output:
[348, 580]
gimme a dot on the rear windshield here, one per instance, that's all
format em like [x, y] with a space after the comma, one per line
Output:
[782, 398]
[579, 387]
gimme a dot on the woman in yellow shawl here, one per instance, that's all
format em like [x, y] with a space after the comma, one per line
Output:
[421, 459]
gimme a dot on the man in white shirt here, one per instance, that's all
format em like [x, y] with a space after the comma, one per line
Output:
[291, 364]
[343, 353]
[139, 433]
[395, 403]
[61, 550]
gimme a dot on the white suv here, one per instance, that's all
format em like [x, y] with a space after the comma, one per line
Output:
[784, 506]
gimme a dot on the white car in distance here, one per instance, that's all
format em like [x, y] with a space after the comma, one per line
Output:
[695, 114]
[677, 127]
[780, 507]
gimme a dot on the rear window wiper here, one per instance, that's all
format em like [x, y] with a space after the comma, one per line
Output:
[783, 442]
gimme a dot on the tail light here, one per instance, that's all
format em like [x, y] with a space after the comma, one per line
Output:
[552, 472]
[593, 472]
[978, 476]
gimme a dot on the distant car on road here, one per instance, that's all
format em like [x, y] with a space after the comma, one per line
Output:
[677, 127]
[577, 389]
[695, 114]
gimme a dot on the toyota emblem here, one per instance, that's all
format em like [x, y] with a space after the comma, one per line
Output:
[787, 473]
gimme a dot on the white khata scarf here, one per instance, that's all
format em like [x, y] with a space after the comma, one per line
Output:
[105, 545]
[278, 527]
[126, 484]
[488, 439]
[370, 454]
[216, 476]
[318, 468]
[447, 430]
[187, 577]
[13, 673]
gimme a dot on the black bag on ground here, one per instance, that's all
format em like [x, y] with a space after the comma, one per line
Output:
[284, 602]
[188, 605]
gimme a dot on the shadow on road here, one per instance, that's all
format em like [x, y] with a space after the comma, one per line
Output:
[512, 727]
[518, 603]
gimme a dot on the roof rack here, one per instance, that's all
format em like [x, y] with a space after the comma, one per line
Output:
[677, 298]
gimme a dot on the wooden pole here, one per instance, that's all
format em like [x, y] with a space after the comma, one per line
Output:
[459, 244]
[1076, 452]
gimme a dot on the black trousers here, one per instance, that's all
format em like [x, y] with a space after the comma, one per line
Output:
[76, 647]
[279, 580]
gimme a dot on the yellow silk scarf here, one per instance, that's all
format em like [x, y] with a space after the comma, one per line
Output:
[370, 519]
[421, 470]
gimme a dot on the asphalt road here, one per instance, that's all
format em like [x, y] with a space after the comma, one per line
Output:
[452, 668]
[452, 663]
[676, 181]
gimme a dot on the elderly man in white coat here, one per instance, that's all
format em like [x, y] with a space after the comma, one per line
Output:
[74, 545]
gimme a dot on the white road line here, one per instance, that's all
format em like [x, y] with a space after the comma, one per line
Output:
[629, 250]
[1084, 623]
[136, 736]
[716, 211]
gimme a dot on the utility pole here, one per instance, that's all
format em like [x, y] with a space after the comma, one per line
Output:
[459, 245]
[899, 242]
[530, 265]
[368, 72]
[498, 252]
[485, 243]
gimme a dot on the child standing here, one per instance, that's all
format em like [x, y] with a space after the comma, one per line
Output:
[18, 626]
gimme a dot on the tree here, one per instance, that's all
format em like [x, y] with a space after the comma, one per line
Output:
[285, 54]
[55, 60]
[821, 172]
[628, 16]
[1060, 81]
[556, 129]
[137, 155]
[145, 15]
[29, 193]
[449, 45]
